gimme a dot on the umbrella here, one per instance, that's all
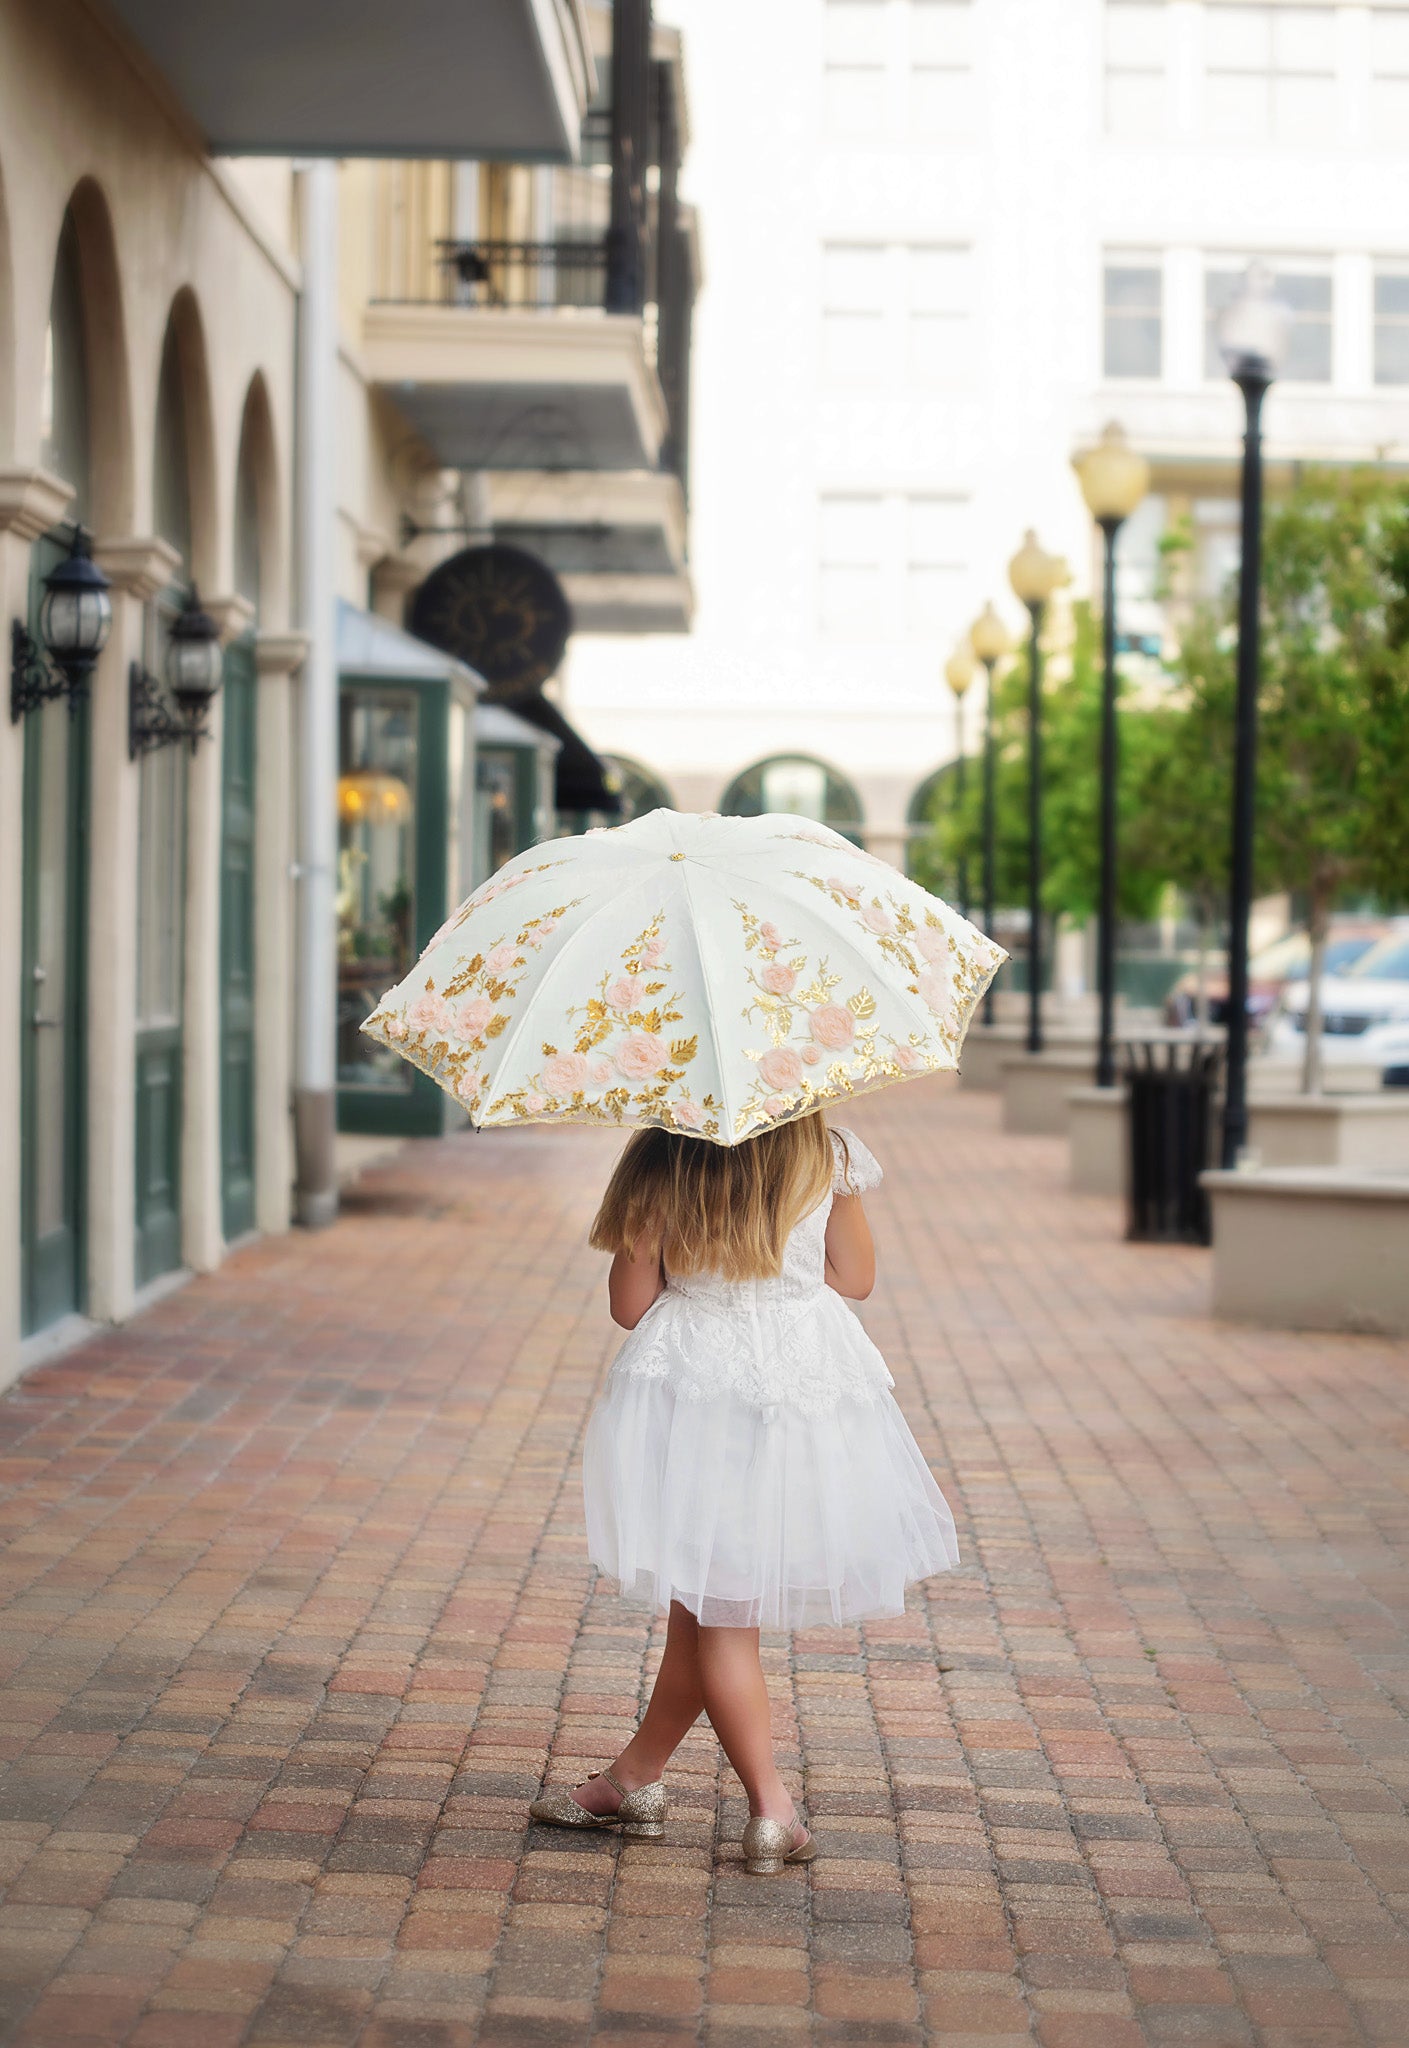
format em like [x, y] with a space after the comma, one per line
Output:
[704, 974]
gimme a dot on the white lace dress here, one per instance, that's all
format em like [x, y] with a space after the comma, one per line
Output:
[747, 1457]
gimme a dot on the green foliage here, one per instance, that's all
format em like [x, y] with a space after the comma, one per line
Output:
[1071, 759]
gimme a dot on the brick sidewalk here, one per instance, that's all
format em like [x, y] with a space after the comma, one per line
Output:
[298, 1615]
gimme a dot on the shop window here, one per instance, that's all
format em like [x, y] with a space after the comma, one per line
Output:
[376, 893]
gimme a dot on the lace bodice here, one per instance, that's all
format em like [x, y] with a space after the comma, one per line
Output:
[784, 1339]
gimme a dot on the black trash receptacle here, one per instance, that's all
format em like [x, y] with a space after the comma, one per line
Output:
[1171, 1082]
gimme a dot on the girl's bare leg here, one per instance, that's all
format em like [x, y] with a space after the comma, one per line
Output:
[676, 1703]
[736, 1700]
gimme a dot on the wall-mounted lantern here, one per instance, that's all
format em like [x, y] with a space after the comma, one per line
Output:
[194, 665]
[75, 618]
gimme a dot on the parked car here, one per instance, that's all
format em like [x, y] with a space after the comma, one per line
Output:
[1285, 962]
[1364, 1011]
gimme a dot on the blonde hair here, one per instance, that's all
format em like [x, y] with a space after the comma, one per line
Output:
[723, 1209]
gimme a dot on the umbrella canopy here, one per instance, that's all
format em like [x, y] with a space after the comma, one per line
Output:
[708, 975]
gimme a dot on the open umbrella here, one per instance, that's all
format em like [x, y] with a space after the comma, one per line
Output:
[709, 975]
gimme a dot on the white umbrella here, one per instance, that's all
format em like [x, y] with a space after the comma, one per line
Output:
[705, 974]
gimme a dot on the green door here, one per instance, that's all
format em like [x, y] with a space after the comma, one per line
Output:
[237, 943]
[161, 916]
[54, 901]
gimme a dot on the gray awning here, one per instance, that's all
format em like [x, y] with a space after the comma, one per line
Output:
[369, 646]
[421, 78]
[497, 726]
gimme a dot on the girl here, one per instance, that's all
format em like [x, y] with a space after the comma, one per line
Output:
[747, 1465]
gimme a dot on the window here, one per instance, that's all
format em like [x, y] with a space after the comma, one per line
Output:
[1134, 316]
[1271, 71]
[851, 547]
[940, 294]
[1136, 60]
[940, 57]
[935, 556]
[854, 49]
[1308, 293]
[1392, 324]
[1389, 74]
[853, 310]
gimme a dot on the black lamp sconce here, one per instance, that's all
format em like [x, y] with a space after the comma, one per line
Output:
[157, 718]
[75, 618]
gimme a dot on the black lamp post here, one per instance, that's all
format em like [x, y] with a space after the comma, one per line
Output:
[1034, 575]
[990, 640]
[959, 672]
[194, 665]
[1252, 335]
[1113, 481]
[75, 618]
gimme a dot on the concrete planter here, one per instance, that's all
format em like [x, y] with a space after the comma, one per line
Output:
[987, 1047]
[1035, 1089]
[1100, 1146]
[1312, 1248]
[1364, 1133]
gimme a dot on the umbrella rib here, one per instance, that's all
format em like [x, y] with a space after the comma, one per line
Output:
[697, 938]
[516, 1030]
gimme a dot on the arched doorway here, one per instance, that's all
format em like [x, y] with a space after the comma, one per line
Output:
[255, 516]
[639, 788]
[54, 888]
[182, 511]
[799, 785]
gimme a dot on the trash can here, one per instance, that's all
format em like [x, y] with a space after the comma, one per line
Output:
[1171, 1084]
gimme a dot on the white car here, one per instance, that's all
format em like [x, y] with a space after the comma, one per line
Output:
[1364, 1013]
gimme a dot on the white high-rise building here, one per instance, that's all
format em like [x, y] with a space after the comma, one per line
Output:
[948, 240]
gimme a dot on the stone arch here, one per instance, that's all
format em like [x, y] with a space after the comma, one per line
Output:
[641, 789]
[88, 219]
[259, 550]
[800, 783]
[185, 497]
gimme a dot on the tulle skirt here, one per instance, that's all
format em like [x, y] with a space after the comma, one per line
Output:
[760, 1517]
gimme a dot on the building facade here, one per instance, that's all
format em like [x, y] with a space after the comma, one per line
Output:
[950, 240]
[200, 255]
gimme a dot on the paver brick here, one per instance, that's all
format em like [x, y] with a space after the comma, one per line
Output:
[295, 1615]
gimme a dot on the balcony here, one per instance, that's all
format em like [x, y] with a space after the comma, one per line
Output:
[508, 79]
[519, 364]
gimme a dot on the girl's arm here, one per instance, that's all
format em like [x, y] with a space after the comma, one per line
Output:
[636, 1281]
[851, 1256]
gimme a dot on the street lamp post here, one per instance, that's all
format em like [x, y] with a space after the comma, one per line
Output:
[1252, 335]
[959, 672]
[1034, 575]
[1113, 481]
[990, 640]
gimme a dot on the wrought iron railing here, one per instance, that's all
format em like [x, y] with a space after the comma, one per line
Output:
[523, 275]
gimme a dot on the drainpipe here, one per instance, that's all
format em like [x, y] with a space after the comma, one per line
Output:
[315, 1038]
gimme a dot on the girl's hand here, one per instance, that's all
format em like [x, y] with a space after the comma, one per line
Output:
[851, 1256]
[636, 1281]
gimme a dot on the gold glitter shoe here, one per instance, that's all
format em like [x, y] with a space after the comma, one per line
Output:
[768, 1845]
[642, 1812]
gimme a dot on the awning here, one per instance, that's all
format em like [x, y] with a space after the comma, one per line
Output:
[507, 79]
[369, 646]
[581, 776]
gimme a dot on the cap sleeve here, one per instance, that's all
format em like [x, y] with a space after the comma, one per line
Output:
[855, 1171]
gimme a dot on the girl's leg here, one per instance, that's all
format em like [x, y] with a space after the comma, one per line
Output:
[736, 1700]
[676, 1703]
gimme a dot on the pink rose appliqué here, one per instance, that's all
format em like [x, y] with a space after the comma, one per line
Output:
[687, 1113]
[601, 1070]
[471, 1017]
[776, 1105]
[778, 979]
[430, 1013]
[640, 1055]
[907, 1059]
[878, 920]
[566, 1073]
[933, 944]
[936, 990]
[771, 936]
[626, 994]
[811, 1055]
[833, 1026]
[535, 1104]
[653, 952]
[851, 890]
[500, 958]
[780, 1068]
[468, 1086]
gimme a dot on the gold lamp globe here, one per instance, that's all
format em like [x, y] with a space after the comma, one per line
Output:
[1033, 573]
[960, 669]
[1114, 477]
[989, 637]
